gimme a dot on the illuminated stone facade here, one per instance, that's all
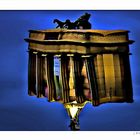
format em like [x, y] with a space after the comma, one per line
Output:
[94, 65]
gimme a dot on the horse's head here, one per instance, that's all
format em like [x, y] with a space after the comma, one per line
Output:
[55, 20]
[67, 21]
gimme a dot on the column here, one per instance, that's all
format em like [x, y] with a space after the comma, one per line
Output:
[90, 67]
[109, 75]
[32, 73]
[126, 77]
[40, 75]
[99, 67]
[118, 78]
[49, 70]
[64, 63]
[78, 79]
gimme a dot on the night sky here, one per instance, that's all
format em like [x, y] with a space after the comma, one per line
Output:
[20, 112]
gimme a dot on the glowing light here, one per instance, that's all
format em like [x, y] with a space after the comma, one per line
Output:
[73, 111]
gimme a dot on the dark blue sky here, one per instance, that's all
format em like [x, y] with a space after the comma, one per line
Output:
[18, 111]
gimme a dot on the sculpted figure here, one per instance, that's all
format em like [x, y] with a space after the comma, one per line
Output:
[60, 23]
[81, 23]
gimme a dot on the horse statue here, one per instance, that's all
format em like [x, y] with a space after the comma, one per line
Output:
[60, 23]
[80, 23]
[70, 25]
[67, 24]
